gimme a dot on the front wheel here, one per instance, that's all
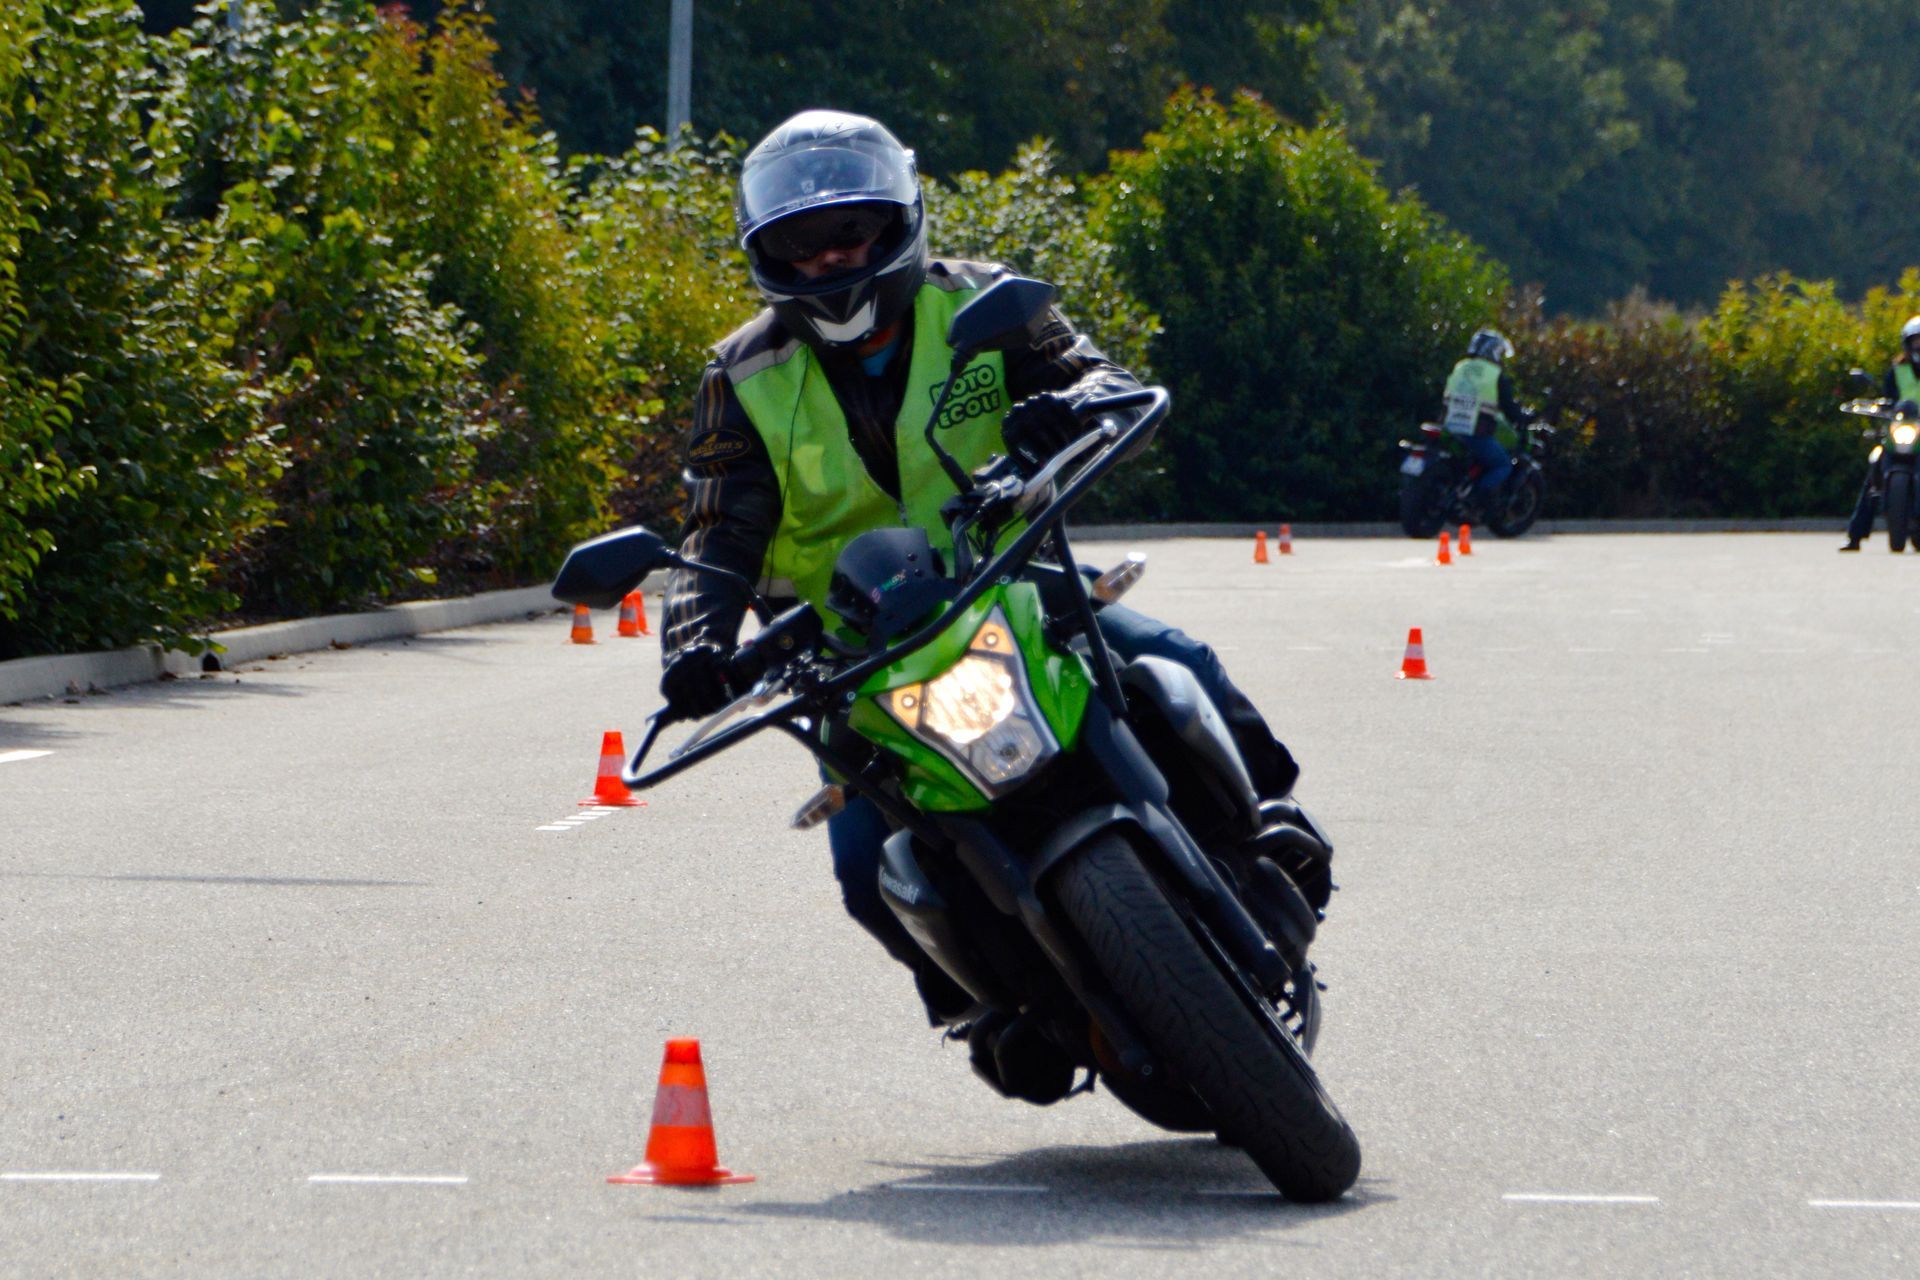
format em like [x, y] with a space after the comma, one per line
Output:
[1211, 1031]
[1519, 506]
[1899, 508]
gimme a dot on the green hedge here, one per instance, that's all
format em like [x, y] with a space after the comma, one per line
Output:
[1307, 314]
[305, 315]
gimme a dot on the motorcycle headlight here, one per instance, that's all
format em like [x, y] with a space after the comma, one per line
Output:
[1904, 434]
[980, 713]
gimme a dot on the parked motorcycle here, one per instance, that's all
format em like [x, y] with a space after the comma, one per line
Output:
[1437, 480]
[1077, 841]
[1893, 459]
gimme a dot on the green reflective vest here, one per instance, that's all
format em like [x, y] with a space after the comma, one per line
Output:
[1905, 380]
[1473, 389]
[827, 496]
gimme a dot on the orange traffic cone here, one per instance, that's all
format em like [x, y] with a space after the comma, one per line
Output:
[582, 625]
[1260, 546]
[640, 609]
[1286, 539]
[680, 1150]
[630, 615]
[607, 787]
[1466, 539]
[1414, 665]
[1445, 556]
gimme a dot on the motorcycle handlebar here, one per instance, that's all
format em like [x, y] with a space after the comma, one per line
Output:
[1156, 401]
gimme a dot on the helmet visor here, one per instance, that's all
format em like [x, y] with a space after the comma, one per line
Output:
[840, 171]
[812, 232]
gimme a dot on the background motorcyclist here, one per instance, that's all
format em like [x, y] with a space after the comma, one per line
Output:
[1902, 383]
[808, 430]
[1480, 406]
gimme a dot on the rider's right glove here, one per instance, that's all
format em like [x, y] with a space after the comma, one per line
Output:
[695, 681]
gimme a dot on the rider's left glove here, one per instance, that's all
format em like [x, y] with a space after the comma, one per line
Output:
[695, 681]
[1039, 427]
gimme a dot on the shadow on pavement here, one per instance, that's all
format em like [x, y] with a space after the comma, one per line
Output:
[1134, 1195]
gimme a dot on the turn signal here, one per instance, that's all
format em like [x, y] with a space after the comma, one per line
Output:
[1117, 581]
[820, 806]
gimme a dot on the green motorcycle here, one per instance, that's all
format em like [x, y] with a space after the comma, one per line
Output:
[1076, 840]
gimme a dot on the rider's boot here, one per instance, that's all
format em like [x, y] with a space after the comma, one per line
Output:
[1012, 1053]
[1853, 544]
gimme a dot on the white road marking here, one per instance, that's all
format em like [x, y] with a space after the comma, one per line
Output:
[553, 826]
[79, 1177]
[1553, 1197]
[11, 757]
[971, 1187]
[1865, 1204]
[406, 1179]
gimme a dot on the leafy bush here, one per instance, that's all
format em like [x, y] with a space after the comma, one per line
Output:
[371, 389]
[1308, 317]
[32, 476]
[1644, 427]
[655, 260]
[1035, 221]
[118, 306]
[1781, 348]
[481, 194]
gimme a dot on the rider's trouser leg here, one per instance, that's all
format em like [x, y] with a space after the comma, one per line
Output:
[1861, 525]
[1496, 464]
[855, 835]
[1132, 635]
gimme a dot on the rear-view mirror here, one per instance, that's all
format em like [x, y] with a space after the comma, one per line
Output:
[600, 571]
[1005, 314]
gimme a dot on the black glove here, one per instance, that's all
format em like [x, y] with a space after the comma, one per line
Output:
[1039, 427]
[695, 681]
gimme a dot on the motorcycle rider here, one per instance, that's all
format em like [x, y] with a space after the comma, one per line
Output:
[1480, 406]
[1902, 383]
[809, 430]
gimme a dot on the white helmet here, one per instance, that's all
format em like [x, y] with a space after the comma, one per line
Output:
[1908, 332]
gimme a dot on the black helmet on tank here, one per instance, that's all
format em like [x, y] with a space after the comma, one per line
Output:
[831, 180]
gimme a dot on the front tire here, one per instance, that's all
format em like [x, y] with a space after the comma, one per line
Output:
[1899, 504]
[1207, 1028]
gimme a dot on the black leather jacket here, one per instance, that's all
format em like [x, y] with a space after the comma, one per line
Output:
[733, 495]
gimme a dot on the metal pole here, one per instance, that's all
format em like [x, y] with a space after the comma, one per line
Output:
[679, 68]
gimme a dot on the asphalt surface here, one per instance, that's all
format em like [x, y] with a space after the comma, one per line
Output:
[1624, 970]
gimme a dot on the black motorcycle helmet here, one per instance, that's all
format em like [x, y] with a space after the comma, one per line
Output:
[828, 178]
[1490, 344]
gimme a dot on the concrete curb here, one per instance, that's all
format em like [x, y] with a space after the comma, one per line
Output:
[1386, 529]
[49, 677]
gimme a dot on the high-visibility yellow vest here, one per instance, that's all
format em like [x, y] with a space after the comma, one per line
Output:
[827, 496]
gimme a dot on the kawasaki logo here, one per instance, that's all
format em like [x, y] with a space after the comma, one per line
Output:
[905, 891]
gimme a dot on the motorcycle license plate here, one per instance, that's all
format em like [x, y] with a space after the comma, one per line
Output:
[1413, 465]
